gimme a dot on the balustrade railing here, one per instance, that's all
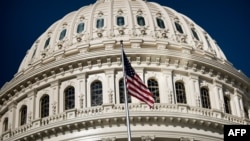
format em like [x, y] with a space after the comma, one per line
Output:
[178, 110]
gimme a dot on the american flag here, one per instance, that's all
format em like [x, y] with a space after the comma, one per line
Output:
[135, 86]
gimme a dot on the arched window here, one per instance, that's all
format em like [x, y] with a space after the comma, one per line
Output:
[5, 124]
[46, 43]
[160, 23]
[34, 53]
[140, 21]
[205, 100]
[69, 97]
[154, 89]
[100, 23]
[227, 105]
[120, 21]
[62, 34]
[180, 92]
[178, 27]
[80, 28]
[121, 92]
[44, 106]
[195, 34]
[208, 43]
[96, 93]
[23, 115]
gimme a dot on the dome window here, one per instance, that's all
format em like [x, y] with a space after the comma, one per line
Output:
[180, 92]
[160, 23]
[44, 106]
[5, 124]
[227, 105]
[121, 92]
[120, 21]
[100, 23]
[96, 93]
[178, 27]
[205, 100]
[154, 89]
[208, 43]
[140, 21]
[62, 34]
[195, 34]
[69, 94]
[34, 53]
[23, 115]
[80, 28]
[46, 43]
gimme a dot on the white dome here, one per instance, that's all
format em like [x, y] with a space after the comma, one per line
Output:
[69, 85]
[189, 36]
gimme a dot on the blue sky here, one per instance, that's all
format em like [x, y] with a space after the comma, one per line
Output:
[22, 22]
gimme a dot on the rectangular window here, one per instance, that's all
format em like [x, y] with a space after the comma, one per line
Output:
[120, 21]
[140, 21]
[100, 23]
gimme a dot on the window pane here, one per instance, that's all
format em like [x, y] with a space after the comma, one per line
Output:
[178, 27]
[205, 100]
[23, 115]
[99, 23]
[180, 92]
[120, 21]
[96, 93]
[69, 98]
[80, 27]
[227, 105]
[195, 34]
[121, 92]
[208, 43]
[160, 23]
[47, 43]
[5, 124]
[140, 21]
[45, 106]
[154, 89]
[62, 34]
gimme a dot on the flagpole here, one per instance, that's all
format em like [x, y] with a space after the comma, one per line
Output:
[126, 95]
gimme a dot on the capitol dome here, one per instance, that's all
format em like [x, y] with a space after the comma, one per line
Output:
[69, 86]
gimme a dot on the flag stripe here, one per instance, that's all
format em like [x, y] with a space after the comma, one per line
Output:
[145, 93]
[135, 85]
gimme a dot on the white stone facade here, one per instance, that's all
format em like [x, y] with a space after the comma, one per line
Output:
[94, 55]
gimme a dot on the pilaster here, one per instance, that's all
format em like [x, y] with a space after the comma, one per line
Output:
[12, 115]
[82, 91]
[194, 95]
[218, 96]
[237, 104]
[109, 97]
[167, 86]
[31, 105]
[55, 86]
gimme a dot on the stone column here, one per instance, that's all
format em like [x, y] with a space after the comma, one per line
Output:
[194, 95]
[54, 101]
[12, 115]
[168, 86]
[218, 97]
[237, 104]
[109, 96]
[31, 106]
[82, 91]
